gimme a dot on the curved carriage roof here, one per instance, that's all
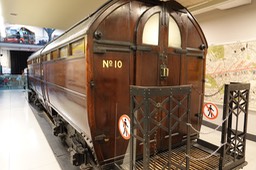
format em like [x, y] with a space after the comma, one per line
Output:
[81, 28]
[74, 32]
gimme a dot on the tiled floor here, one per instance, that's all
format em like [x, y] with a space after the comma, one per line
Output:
[24, 146]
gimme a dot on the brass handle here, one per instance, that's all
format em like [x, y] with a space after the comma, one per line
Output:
[164, 72]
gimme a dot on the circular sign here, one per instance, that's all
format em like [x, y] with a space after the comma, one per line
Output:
[124, 126]
[210, 111]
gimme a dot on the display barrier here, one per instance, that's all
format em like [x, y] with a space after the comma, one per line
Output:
[147, 102]
[148, 105]
[235, 107]
[16, 81]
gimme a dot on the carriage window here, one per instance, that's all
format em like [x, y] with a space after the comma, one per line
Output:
[174, 36]
[78, 48]
[151, 30]
[43, 58]
[64, 51]
[48, 57]
[55, 54]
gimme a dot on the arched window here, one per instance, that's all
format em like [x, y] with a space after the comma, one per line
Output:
[151, 30]
[174, 36]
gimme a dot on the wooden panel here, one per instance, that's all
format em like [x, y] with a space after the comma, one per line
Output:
[195, 38]
[147, 73]
[69, 73]
[72, 106]
[116, 25]
[193, 73]
[111, 79]
[111, 97]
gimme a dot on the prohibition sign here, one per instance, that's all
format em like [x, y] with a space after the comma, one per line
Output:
[124, 126]
[210, 111]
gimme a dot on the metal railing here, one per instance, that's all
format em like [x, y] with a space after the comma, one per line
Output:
[158, 109]
[235, 109]
[16, 81]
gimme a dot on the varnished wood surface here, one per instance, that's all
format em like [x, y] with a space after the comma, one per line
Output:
[93, 90]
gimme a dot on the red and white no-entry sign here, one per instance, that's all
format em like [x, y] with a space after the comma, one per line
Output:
[124, 126]
[210, 111]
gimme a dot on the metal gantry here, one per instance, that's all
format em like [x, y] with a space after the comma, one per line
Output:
[147, 103]
[235, 110]
[156, 109]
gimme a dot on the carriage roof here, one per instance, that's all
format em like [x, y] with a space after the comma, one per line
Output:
[77, 31]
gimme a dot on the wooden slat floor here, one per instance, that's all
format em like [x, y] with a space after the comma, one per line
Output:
[160, 161]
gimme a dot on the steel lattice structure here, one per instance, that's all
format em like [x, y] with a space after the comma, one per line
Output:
[236, 101]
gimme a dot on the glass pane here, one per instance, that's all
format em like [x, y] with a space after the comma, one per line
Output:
[64, 51]
[55, 54]
[151, 30]
[48, 57]
[174, 36]
[78, 48]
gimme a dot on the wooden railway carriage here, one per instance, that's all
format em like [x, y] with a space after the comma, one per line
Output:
[82, 78]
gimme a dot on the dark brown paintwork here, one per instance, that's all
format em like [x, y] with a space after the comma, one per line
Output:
[85, 88]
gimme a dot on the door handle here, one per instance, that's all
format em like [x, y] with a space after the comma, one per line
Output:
[164, 71]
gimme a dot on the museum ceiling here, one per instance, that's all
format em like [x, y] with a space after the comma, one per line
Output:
[62, 14]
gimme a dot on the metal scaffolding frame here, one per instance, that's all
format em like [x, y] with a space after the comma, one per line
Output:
[150, 101]
[235, 108]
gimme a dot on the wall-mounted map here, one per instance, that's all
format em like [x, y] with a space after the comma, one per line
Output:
[230, 63]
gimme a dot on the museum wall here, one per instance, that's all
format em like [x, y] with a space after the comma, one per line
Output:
[5, 61]
[228, 26]
[233, 33]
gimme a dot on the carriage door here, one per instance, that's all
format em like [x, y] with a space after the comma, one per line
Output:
[157, 64]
